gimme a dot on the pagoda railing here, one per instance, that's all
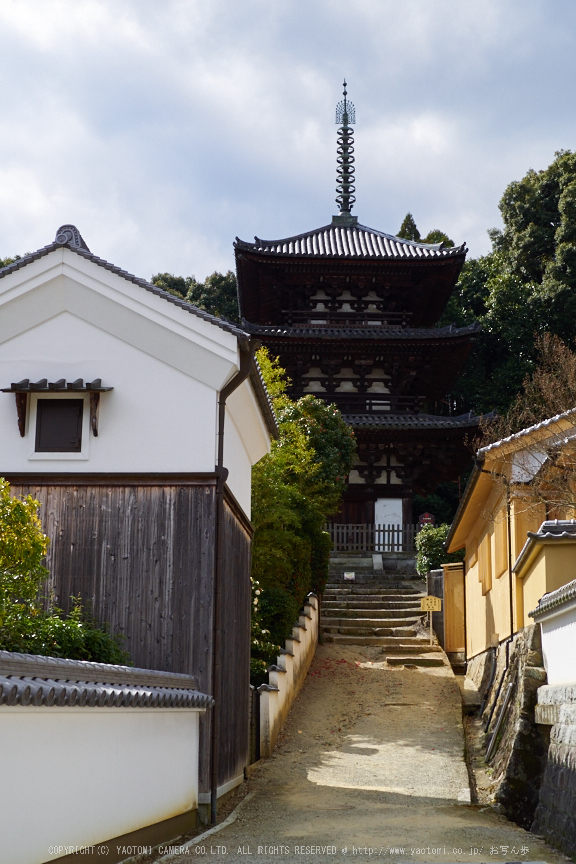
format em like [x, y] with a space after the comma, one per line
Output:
[372, 538]
[372, 403]
[328, 318]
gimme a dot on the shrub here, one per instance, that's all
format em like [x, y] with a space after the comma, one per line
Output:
[430, 552]
[25, 625]
[295, 488]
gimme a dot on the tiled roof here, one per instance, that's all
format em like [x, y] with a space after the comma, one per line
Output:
[410, 421]
[555, 599]
[571, 414]
[398, 333]
[28, 679]
[69, 237]
[553, 529]
[349, 241]
[263, 399]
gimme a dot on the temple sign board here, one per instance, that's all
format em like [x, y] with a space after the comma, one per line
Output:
[430, 604]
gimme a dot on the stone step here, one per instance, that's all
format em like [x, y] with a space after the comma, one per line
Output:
[355, 629]
[402, 648]
[396, 597]
[367, 600]
[384, 625]
[343, 610]
[407, 642]
[385, 605]
[373, 621]
[379, 590]
[415, 661]
[338, 639]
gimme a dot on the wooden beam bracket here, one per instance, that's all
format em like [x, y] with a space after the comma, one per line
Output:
[94, 404]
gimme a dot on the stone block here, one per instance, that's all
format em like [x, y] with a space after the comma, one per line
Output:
[547, 714]
[535, 672]
[558, 694]
[534, 658]
[568, 714]
[562, 734]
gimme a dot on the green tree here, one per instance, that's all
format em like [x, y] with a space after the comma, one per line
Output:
[430, 554]
[23, 548]
[295, 488]
[177, 285]
[437, 236]
[25, 624]
[524, 288]
[408, 229]
[218, 294]
[4, 262]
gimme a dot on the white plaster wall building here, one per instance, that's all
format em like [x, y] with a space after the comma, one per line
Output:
[135, 419]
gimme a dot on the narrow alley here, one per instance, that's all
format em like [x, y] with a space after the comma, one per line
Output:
[370, 765]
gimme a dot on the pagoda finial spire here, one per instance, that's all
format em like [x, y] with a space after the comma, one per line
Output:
[345, 117]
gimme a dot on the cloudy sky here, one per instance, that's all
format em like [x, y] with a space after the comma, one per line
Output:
[164, 128]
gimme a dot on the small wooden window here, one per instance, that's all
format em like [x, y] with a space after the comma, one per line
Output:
[485, 563]
[59, 425]
[501, 542]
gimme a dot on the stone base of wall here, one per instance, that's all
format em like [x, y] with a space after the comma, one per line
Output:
[518, 757]
[286, 678]
[555, 816]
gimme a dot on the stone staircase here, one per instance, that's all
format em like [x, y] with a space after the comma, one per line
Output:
[380, 608]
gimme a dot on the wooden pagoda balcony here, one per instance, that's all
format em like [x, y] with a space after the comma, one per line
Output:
[329, 318]
[372, 403]
[372, 538]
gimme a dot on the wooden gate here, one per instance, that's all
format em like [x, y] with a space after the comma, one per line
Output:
[372, 538]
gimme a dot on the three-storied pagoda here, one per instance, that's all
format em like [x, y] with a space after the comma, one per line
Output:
[350, 312]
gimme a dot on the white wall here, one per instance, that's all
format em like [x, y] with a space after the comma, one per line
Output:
[65, 317]
[277, 698]
[157, 418]
[559, 644]
[246, 441]
[80, 776]
[388, 511]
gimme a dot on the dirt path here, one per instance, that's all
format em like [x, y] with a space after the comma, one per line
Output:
[370, 765]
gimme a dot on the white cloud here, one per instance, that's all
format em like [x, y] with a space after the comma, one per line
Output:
[163, 130]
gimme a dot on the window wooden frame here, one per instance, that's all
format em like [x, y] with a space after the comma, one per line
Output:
[485, 563]
[82, 453]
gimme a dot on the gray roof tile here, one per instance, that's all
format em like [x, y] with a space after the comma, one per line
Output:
[29, 679]
[329, 332]
[350, 241]
[410, 421]
[555, 599]
[69, 241]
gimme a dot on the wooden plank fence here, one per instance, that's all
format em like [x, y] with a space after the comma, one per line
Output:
[372, 538]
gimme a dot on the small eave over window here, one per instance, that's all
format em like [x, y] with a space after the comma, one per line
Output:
[22, 389]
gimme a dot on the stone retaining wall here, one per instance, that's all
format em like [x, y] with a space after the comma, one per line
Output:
[287, 676]
[519, 756]
[555, 817]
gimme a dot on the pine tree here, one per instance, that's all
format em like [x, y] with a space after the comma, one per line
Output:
[408, 229]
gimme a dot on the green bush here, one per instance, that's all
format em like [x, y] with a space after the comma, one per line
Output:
[262, 650]
[295, 488]
[26, 626]
[430, 553]
[29, 629]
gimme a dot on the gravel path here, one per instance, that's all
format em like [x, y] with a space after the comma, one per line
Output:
[370, 765]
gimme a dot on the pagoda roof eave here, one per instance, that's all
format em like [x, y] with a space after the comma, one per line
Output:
[350, 243]
[411, 422]
[384, 334]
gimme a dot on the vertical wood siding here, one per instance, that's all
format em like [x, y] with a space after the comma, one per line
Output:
[235, 693]
[142, 558]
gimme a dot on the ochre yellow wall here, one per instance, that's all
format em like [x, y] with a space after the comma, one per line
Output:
[534, 585]
[488, 584]
[553, 566]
